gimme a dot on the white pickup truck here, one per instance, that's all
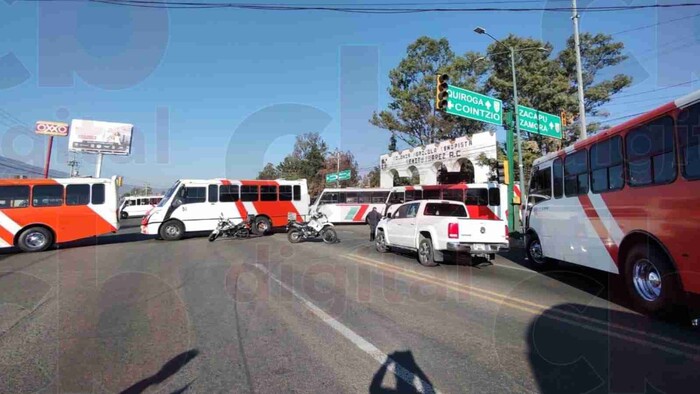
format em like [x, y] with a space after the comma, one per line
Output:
[435, 227]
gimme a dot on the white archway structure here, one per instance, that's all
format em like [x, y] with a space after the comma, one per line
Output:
[428, 159]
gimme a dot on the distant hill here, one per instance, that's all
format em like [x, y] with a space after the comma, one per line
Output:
[10, 168]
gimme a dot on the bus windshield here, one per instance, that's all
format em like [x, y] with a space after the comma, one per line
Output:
[168, 194]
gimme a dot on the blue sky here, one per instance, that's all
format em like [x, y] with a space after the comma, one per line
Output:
[222, 92]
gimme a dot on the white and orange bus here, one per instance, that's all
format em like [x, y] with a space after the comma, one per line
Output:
[483, 200]
[193, 205]
[625, 201]
[38, 213]
[350, 205]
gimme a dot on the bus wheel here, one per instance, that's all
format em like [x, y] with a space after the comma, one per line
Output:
[651, 280]
[262, 225]
[172, 230]
[35, 239]
[534, 253]
[124, 215]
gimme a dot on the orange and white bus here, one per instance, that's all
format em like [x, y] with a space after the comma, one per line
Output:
[38, 213]
[350, 205]
[193, 205]
[625, 201]
[483, 200]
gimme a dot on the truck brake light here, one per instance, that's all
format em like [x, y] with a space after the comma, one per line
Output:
[453, 230]
[507, 233]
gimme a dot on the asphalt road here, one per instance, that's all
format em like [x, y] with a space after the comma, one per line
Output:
[133, 314]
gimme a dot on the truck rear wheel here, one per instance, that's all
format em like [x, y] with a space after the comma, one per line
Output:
[425, 252]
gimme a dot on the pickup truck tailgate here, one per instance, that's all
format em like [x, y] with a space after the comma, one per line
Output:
[482, 231]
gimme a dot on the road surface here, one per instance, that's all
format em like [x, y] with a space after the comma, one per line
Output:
[134, 314]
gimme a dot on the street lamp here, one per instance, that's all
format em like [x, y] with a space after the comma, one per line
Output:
[511, 50]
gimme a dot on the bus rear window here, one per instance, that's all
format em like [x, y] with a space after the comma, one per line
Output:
[478, 197]
[14, 196]
[442, 209]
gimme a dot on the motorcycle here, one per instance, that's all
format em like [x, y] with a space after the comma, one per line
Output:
[227, 229]
[317, 226]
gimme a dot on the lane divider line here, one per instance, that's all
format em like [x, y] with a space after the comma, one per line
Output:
[382, 358]
[534, 308]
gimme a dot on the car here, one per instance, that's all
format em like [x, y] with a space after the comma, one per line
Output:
[435, 228]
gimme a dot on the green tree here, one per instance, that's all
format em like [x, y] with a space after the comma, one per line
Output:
[347, 162]
[306, 160]
[372, 179]
[410, 115]
[269, 172]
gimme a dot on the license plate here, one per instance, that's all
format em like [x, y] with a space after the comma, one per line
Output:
[478, 247]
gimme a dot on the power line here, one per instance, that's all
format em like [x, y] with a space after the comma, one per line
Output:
[615, 103]
[657, 90]
[374, 9]
[654, 24]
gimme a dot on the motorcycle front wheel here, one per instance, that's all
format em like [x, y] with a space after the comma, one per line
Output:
[294, 236]
[329, 235]
[243, 233]
[213, 236]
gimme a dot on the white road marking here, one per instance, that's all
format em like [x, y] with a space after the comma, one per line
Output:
[382, 358]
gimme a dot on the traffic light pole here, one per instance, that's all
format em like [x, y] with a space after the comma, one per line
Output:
[511, 177]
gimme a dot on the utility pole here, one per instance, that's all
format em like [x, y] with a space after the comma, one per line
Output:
[579, 74]
[521, 176]
[74, 165]
[337, 180]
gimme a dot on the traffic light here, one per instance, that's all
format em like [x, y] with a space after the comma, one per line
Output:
[562, 115]
[502, 172]
[567, 118]
[441, 91]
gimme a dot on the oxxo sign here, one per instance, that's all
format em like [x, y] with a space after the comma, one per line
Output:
[473, 105]
[538, 122]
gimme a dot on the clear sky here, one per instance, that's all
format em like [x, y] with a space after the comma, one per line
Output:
[221, 92]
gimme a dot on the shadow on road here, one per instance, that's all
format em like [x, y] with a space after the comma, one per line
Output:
[577, 348]
[407, 370]
[169, 369]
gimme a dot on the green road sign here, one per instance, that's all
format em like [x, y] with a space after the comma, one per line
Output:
[472, 105]
[331, 177]
[344, 175]
[538, 122]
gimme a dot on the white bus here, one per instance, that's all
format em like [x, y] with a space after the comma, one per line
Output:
[350, 205]
[137, 206]
[196, 205]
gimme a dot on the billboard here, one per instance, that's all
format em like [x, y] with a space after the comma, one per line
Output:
[93, 136]
[54, 129]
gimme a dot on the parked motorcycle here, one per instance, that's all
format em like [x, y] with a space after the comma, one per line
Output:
[227, 229]
[317, 226]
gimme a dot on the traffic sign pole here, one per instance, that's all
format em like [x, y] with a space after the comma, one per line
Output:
[48, 158]
[511, 175]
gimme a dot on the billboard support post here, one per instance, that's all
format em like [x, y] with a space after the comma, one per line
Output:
[48, 158]
[98, 169]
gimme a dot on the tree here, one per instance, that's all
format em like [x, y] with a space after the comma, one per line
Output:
[347, 162]
[306, 160]
[373, 178]
[269, 172]
[411, 116]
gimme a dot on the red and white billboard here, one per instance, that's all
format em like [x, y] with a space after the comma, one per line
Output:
[56, 129]
[92, 136]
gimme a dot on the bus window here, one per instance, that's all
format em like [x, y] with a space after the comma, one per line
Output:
[606, 165]
[650, 153]
[155, 200]
[47, 195]
[396, 198]
[689, 141]
[478, 197]
[328, 198]
[249, 193]
[143, 201]
[77, 194]
[351, 197]
[412, 195]
[285, 193]
[297, 192]
[213, 194]
[14, 196]
[432, 194]
[453, 195]
[541, 185]
[575, 174]
[195, 195]
[494, 197]
[228, 193]
[558, 178]
[364, 197]
[379, 197]
[98, 194]
[268, 193]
